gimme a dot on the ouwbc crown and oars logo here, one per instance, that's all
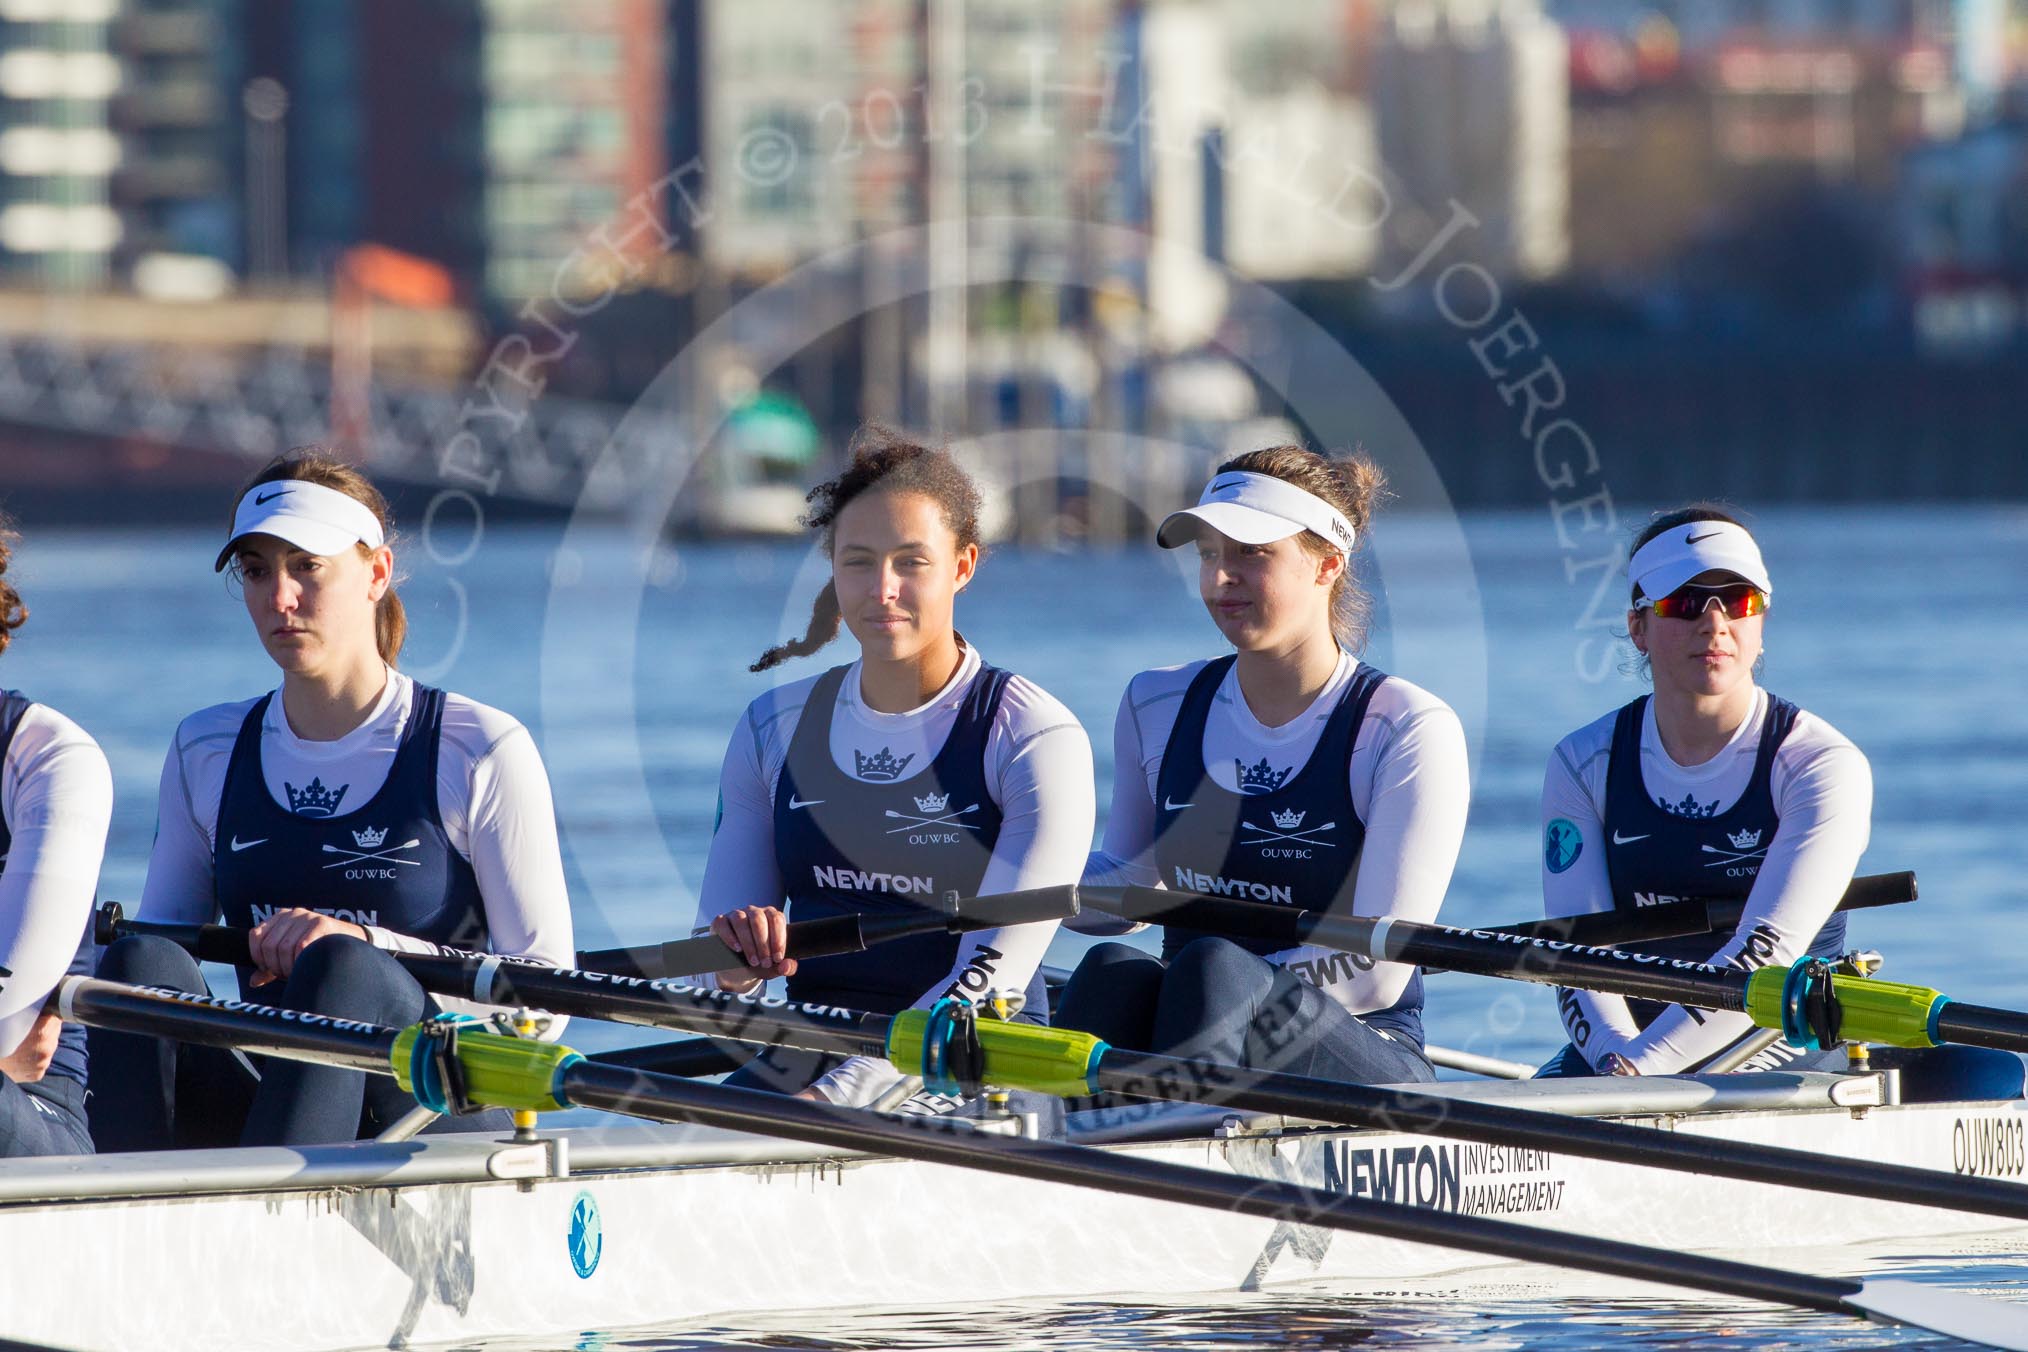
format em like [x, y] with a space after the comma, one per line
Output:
[1289, 828]
[370, 841]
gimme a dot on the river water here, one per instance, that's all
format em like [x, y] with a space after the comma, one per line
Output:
[1903, 628]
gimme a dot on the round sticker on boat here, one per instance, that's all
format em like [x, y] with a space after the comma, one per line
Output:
[587, 1236]
[1562, 843]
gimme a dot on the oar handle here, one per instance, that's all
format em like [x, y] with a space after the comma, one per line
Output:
[207, 943]
[837, 934]
[709, 953]
[820, 938]
[1696, 915]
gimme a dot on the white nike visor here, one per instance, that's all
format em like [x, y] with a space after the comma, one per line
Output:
[1683, 552]
[313, 518]
[1256, 509]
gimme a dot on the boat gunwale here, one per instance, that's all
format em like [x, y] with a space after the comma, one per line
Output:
[606, 1151]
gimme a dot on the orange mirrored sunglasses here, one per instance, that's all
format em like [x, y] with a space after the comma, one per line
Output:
[1738, 600]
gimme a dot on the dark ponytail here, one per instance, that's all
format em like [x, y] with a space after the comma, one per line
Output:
[881, 459]
[822, 629]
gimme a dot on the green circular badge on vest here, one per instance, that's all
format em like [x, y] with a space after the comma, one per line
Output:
[587, 1235]
[1562, 843]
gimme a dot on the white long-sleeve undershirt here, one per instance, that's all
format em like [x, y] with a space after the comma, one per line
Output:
[1409, 775]
[1038, 769]
[1823, 794]
[56, 792]
[492, 796]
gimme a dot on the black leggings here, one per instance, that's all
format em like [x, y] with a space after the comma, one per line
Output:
[43, 1118]
[1219, 1001]
[154, 1093]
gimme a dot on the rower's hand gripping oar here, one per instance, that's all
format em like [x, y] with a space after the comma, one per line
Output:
[522, 1073]
[1696, 915]
[833, 935]
[823, 938]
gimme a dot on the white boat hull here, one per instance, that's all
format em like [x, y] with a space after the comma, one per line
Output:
[374, 1266]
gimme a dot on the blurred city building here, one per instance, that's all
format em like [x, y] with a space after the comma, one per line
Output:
[1471, 100]
[1300, 146]
[58, 149]
[1964, 233]
[574, 100]
[362, 124]
[1690, 119]
[177, 120]
[813, 126]
[1031, 223]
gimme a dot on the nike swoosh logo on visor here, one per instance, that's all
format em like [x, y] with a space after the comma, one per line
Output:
[260, 498]
[238, 844]
[1619, 839]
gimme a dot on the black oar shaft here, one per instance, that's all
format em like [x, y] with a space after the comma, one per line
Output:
[1547, 961]
[642, 1094]
[819, 1028]
[755, 1017]
[1552, 962]
[767, 1021]
[213, 1021]
[1697, 915]
[687, 1056]
[1519, 958]
[828, 936]
[1983, 1026]
[1146, 1074]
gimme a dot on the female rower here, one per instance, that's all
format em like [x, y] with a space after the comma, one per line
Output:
[1711, 787]
[916, 771]
[1289, 771]
[348, 815]
[56, 798]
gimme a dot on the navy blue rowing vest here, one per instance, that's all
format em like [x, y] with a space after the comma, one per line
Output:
[886, 843]
[1287, 838]
[69, 1060]
[1654, 855]
[387, 862]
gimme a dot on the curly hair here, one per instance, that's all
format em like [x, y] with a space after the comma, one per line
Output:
[881, 459]
[13, 614]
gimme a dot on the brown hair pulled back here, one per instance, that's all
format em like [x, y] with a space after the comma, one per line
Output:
[320, 466]
[1355, 486]
[881, 459]
[13, 614]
